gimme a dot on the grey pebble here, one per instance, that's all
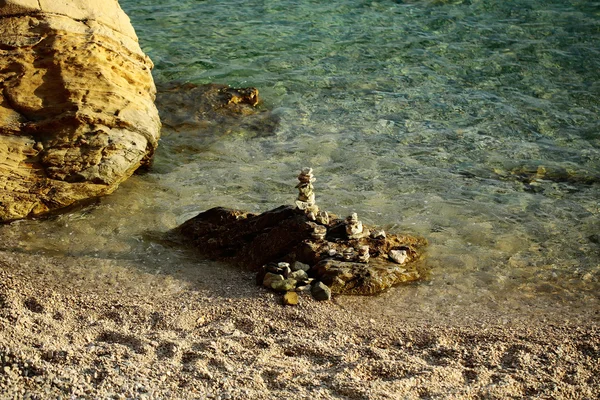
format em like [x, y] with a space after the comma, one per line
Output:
[320, 291]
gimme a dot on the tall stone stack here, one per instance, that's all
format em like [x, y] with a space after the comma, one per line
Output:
[77, 113]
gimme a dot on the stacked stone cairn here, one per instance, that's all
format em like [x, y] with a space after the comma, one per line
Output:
[293, 279]
[306, 195]
[300, 249]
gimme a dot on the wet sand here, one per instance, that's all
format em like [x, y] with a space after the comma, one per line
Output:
[103, 329]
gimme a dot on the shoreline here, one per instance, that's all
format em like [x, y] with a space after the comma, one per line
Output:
[109, 337]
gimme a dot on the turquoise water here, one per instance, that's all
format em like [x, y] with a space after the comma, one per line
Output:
[472, 123]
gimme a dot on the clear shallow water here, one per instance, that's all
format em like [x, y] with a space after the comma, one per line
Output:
[473, 123]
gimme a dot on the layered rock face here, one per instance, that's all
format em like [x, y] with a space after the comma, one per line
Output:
[77, 114]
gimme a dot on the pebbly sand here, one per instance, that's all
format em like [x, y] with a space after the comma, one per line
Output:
[87, 328]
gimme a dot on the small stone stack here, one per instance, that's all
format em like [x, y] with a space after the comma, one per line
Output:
[363, 254]
[354, 227]
[348, 254]
[306, 195]
[319, 232]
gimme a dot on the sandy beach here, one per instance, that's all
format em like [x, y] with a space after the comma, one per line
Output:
[77, 328]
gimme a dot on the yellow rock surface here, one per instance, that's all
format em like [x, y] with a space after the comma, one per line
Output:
[77, 113]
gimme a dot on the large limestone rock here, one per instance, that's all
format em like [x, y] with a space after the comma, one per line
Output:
[77, 114]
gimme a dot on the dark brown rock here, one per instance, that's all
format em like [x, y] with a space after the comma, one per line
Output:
[247, 239]
[284, 234]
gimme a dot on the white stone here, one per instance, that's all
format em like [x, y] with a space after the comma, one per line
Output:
[398, 256]
[323, 217]
[354, 228]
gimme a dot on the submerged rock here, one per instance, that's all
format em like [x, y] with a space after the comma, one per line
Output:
[77, 114]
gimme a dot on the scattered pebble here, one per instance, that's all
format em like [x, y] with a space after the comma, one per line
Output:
[290, 299]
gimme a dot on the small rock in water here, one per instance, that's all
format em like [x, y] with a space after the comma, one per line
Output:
[378, 234]
[298, 266]
[398, 256]
[320, 291]
[331, 252]
[271, 278]
[290, 299]
[284, 286]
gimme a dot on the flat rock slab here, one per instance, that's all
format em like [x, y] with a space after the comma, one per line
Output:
[365, 279]
[284, 234]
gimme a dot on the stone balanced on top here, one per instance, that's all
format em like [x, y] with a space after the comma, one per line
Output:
[306, 194]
